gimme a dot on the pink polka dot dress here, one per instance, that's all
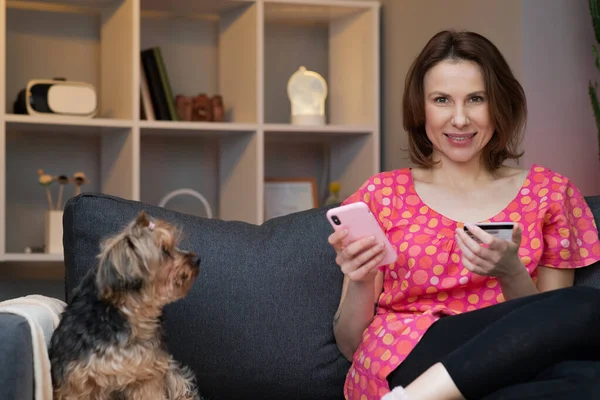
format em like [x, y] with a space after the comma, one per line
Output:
[428, 280]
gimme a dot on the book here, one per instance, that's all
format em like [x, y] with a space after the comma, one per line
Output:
[155, 86]
[145, 99]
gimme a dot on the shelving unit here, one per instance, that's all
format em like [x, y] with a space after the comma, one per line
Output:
[245, 50]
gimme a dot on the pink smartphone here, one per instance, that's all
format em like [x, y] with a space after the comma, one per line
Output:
[360, 222]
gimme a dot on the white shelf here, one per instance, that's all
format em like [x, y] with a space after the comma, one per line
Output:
[274, 129]
[54, 124]
[313, 12]
[244, 50]
[63, 6]
[33, 257]
[67, 120]
[183, 127]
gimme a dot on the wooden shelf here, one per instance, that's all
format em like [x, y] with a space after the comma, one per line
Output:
[315, 12]
[73, 125]
[63, 6]
[33, 257]
[191, 9]
[244, 50]
[335, 130]
[193, 128]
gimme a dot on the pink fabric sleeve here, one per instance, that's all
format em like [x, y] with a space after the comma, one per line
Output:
[570, 232]
[371, 192]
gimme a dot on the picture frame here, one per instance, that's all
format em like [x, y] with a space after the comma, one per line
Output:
[284, 196]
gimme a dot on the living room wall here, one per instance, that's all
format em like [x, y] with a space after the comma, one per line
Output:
[548, 45]
[557, 64]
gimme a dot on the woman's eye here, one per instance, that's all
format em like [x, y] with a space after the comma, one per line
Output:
[440, 100]
[477, 99]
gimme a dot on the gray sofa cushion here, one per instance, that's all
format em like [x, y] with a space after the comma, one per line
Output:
[590, 276]
[258, 320]
[16, 358]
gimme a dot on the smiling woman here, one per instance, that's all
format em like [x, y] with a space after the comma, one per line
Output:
[459, 316]
[472, 80]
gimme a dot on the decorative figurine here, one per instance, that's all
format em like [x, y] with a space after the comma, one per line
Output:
[202, 109]
[184, 107]
[307, 91]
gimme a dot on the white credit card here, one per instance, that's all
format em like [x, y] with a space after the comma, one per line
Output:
[501, 230]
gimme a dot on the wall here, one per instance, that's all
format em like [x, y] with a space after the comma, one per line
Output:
[547, 47]
[557, 63]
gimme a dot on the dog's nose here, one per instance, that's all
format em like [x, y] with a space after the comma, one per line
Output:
[197, 262]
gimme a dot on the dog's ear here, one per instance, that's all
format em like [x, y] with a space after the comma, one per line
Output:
[138, 227]
[118, 272]
[142, 220]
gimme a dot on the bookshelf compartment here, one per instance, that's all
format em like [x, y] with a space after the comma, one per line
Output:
[50, 40]
[299, 159]
[339, 40]
[103, 154]
[347, 158]
[207, 47]
[221, 166]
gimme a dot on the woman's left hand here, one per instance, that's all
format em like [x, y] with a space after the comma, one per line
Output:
[494, 256]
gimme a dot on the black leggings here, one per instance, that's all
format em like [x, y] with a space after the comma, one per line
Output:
[541, 346]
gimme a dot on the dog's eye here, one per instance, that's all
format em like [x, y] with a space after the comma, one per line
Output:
[166, 251]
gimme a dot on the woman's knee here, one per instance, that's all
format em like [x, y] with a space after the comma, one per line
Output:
[573, 371]
[582, 303]
[587, 294]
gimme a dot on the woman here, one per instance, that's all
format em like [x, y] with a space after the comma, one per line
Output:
[439, 330]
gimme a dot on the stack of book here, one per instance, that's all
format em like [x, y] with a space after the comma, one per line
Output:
[157, 100]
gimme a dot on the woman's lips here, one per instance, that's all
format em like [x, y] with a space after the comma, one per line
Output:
[460, 139]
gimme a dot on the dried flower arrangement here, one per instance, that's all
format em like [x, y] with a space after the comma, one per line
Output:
[46, 181]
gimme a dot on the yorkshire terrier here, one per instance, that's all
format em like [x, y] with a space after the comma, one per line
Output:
[109, 343]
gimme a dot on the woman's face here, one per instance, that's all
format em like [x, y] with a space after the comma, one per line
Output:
[457, 119]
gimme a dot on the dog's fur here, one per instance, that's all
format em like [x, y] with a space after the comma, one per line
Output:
[109, 343]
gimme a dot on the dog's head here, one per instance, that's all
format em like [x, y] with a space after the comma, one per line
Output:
[142, 264]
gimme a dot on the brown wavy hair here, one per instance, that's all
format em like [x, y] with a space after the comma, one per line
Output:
[506, 97]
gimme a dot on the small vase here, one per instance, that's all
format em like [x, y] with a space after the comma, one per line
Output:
[54, 232]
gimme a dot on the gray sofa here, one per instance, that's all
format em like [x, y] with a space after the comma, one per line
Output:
[257, 323]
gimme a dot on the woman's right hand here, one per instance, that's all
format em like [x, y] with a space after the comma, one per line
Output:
[359, 260]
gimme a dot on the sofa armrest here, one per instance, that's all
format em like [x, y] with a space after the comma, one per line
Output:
[16, 358]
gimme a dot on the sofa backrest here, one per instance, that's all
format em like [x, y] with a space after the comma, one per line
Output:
[258, 321]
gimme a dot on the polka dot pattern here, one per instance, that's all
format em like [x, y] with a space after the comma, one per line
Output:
[428, 280]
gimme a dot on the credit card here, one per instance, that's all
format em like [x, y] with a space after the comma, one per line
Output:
[501, 230]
